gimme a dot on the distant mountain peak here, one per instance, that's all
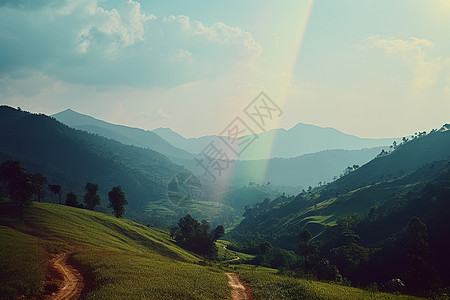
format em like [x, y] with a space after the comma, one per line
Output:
[68, 110]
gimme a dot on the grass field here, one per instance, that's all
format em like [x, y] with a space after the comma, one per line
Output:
[227, 255]
[267, 285]
[127, 260]
[22, 264]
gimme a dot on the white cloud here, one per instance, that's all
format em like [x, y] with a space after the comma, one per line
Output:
[181, 55]
[413, 50]
[89, 43]
[397, 45]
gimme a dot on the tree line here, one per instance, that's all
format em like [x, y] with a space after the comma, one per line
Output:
[21, 186]
[197, 236]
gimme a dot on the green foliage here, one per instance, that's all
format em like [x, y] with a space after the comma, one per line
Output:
[71, 199]
[91, 198]
[55, 189]
[117, 201]
[20, 184]
[274, 257]
[417, 241]
[218, 232]
[308, 249]
[420, 276]
[196, 236]
[38, 182]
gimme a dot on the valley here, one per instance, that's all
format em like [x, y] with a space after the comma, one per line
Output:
[224, 150]
[91, 254]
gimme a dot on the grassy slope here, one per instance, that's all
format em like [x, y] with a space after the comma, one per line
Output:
[20, 275]
[286, 217]
[126, 259]
[227, 255]
[129, 261]
[362, 199]
[267, 285]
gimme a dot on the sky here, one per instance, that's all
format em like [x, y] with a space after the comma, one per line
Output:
[368, 68]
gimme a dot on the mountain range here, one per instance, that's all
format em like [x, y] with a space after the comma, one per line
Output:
[281, 143]
[124, 134]
[277, 143]
[295, 162]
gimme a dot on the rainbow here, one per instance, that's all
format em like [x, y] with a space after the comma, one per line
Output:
[285, 67]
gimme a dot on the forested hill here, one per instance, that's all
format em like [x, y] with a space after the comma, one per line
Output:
[72, 157]
[124, 134]
[406, 158]
[389, 178]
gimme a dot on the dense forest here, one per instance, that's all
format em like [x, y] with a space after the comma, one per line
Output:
[384, 224]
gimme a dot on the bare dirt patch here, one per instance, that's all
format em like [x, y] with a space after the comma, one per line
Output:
[63, 280]
[239, 289]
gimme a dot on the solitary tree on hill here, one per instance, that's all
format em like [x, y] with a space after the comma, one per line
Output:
[38, 182]
[56, 189]
[91, 198]
[117, 201]
[71, 199]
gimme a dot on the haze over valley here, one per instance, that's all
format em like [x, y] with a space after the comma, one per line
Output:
[224, 150]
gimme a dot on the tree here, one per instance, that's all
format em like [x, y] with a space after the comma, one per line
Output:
[56, 189]
[348, 170]
[420, 276]
[264, 248]
[71, 199]
[174, 230]
[38, 181]
[218, 232]
[195, 236]
[117, 201]
[417, 245]
[91, 198]
[307, 249]
[18, 183]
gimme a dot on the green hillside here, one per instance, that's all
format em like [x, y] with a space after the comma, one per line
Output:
[267, 285]
[75, 157]
[125, 260]
[409, 168]
[361, 222]
[120, 259]
[72, 158]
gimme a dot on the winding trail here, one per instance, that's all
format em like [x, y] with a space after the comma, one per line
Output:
[66, 277]
[239, 291]
[233, 259]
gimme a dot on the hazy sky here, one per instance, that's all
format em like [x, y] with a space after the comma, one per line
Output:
[369, 68]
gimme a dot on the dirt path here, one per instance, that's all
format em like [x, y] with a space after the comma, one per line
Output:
[64, 282]
[233, 259]
[239, 291]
